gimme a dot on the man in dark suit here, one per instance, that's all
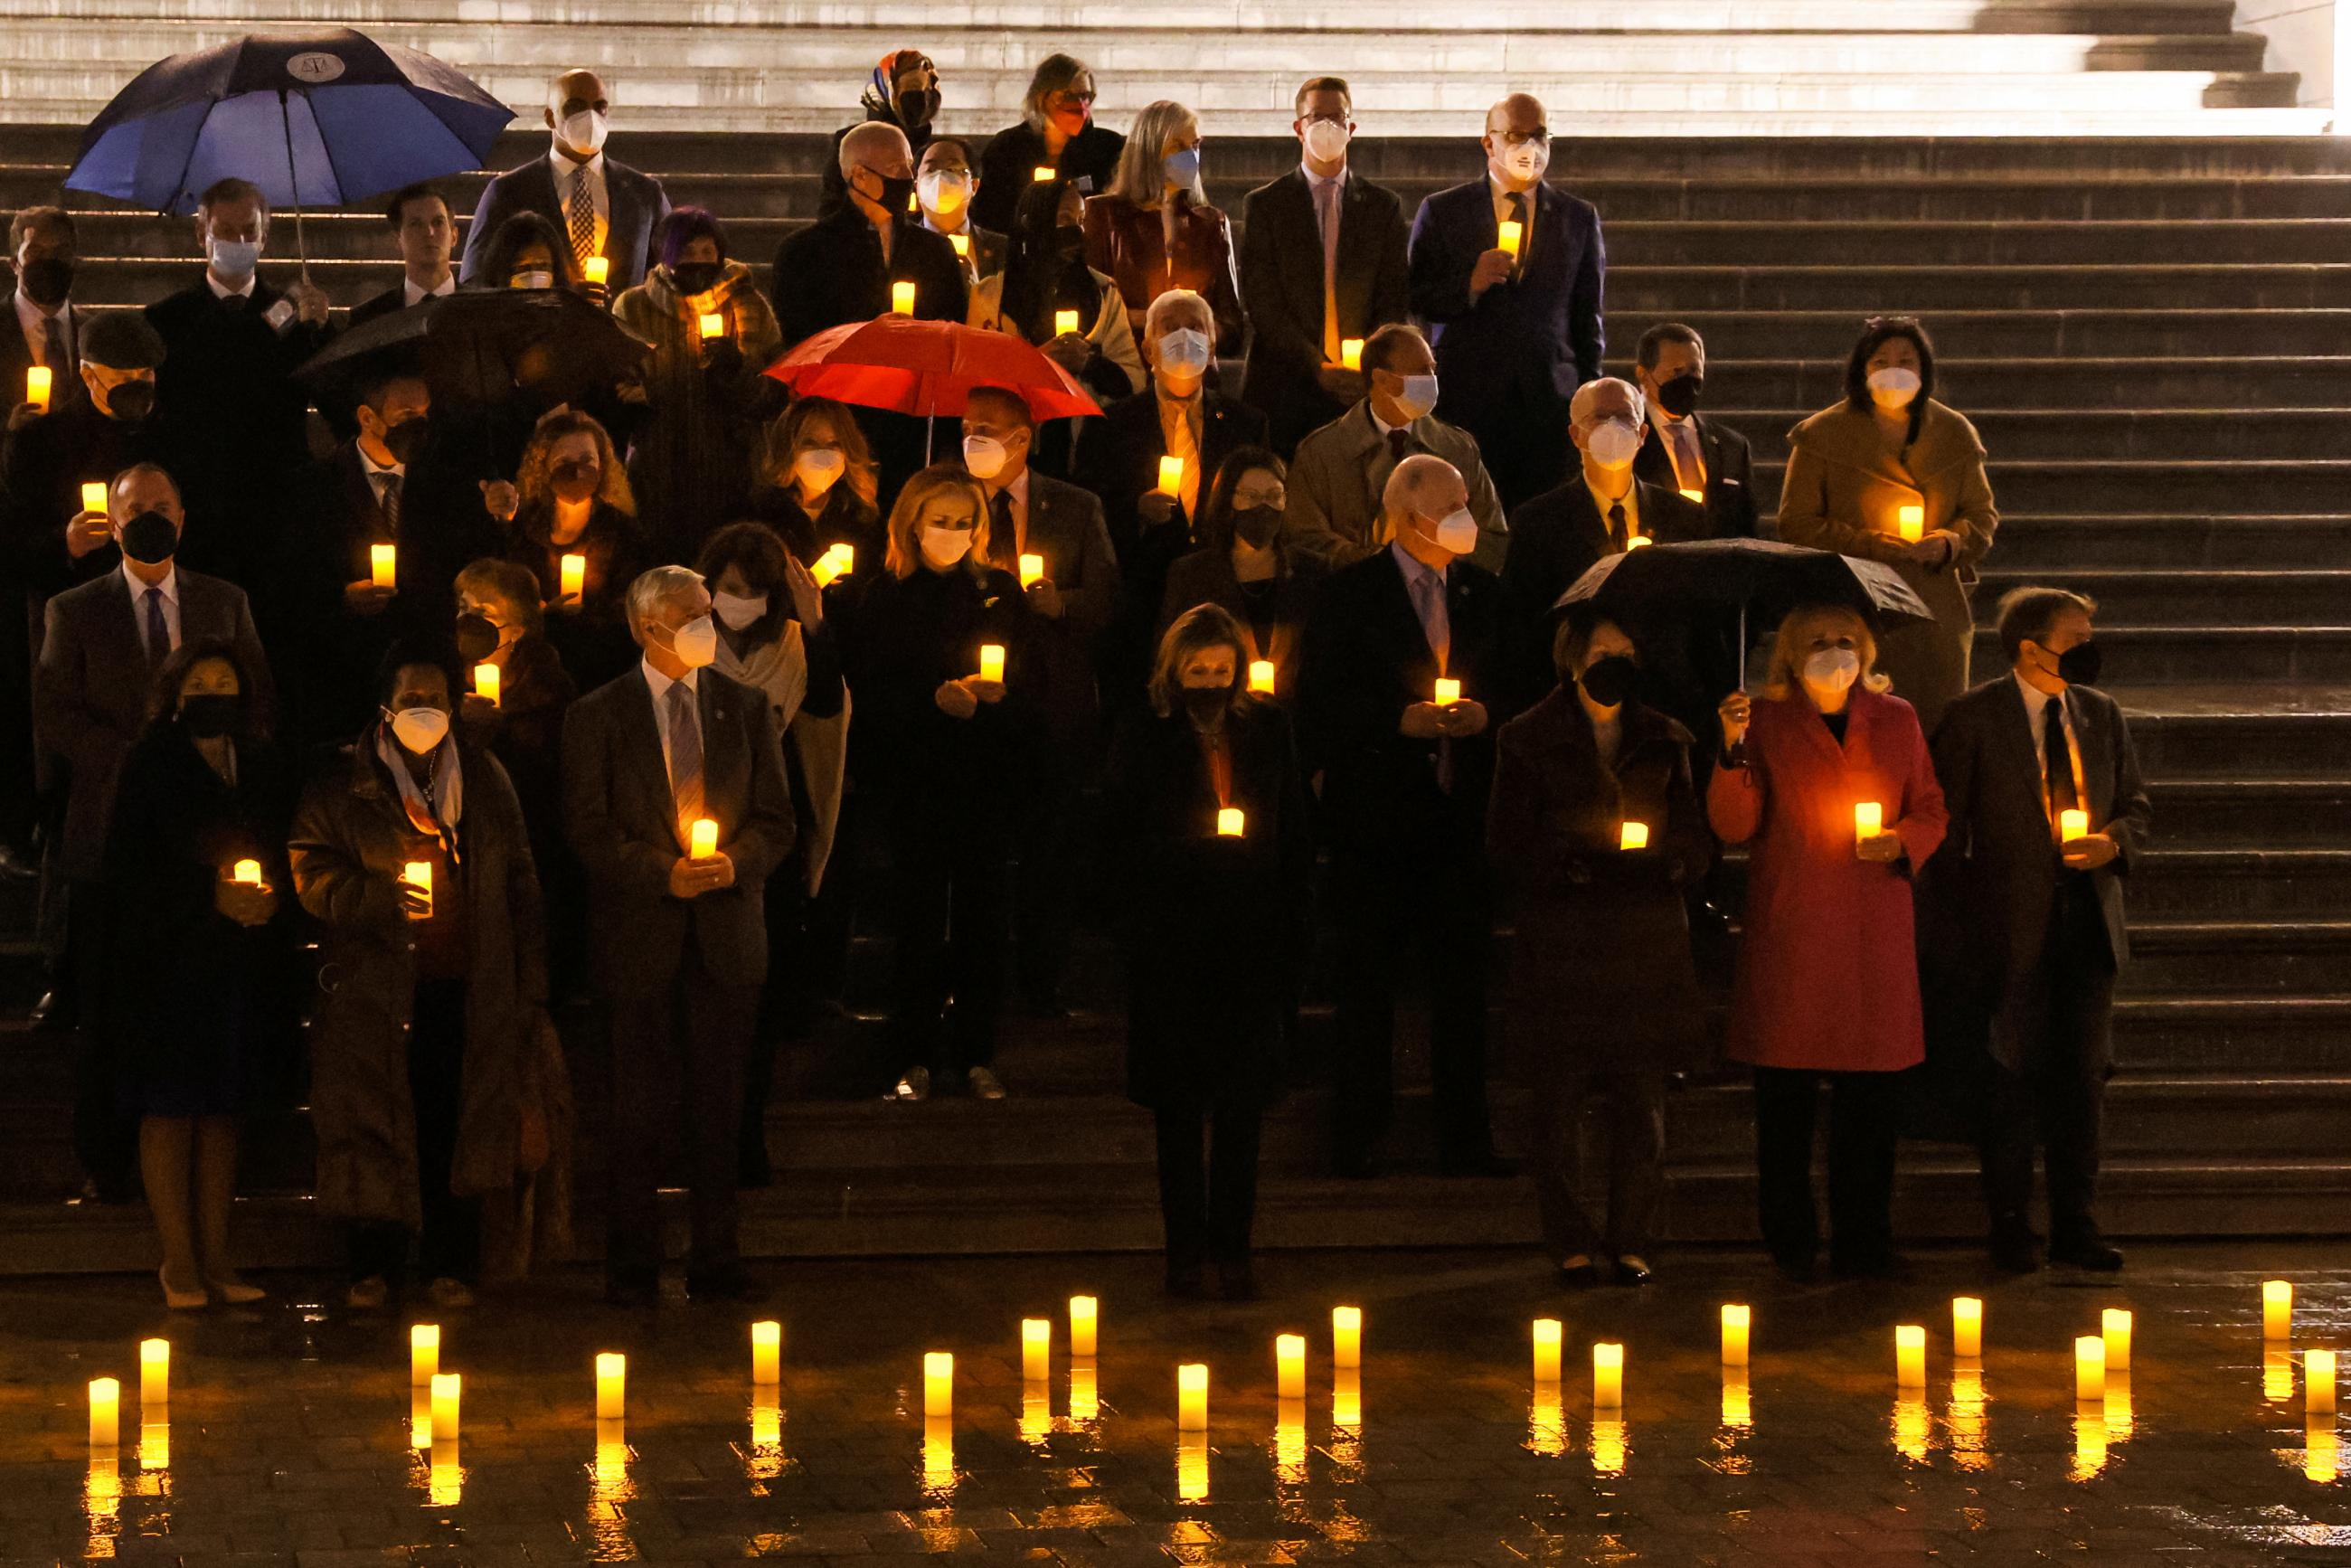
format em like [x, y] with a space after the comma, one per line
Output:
[1515, 334]
[42, 248]
[1322, 263]
[944, 187]
[2031, 909]
[680, 940]
[1404, 782]
[101, 644]
[1030, 513]
[840, 267]
[1683, 450]
[600, 204]
[425, 232]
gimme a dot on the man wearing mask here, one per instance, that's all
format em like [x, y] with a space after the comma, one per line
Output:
[1406, 767]
[1518, 330]
[944, 187]
[679, 935]
[41, 247]
[234, 419]
[53, 542]
[1699, 458]
[599, 204]
[101, 645]
[902, 94]
[1074, 598]
[425, 232]
[839, 267]
[2026, 925]
[1322, 264]
[1337, 484]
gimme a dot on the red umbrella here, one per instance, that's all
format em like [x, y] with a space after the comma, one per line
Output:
[926, 368]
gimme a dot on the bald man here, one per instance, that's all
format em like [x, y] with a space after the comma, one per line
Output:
[1515, 335]
[1403, 783]
[600, 204]
[839, 267]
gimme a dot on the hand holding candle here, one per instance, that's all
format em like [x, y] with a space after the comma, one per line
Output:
[1911, 522]
[1633, 836]
[1170, 475]
[2072, 824]
[598, 269]
[38, 381]
[417, 876]
[1260, 677]
[1351, 353]
[1448, 691]
[713, 325]
[902, 299]
[246, 872]
[1511, 236]
[1033, 571]
[383, 565]
[488, 683]
[1065, 323]
[702, 839]
[1229, 822]
[991, 662]
[93, 497]
[574, 584]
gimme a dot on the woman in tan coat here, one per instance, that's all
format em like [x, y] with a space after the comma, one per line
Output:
[1854, 468]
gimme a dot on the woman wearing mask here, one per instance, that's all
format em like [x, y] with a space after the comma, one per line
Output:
[1827, 984]
[820, 483]
[1243, 567]
[1048, 295]
[1891, 475]
[705, 395]
[1606, 999]
[201, 988]
[1215, 933]
[941, 749]
[432, 985]
[1057, 132]
[572, 498]
[1154, 230]
[526, 253]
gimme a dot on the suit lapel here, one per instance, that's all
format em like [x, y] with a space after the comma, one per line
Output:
[640, 746]
[1357, 262]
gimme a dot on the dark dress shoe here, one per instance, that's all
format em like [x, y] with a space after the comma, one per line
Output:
[1579, 1274]
[2090, 1252]
[722, 1285]
[2016, 1252]
[632, 1288]
[1633, 1270]
[1483, 1163]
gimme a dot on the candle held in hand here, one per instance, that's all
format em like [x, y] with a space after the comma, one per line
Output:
[574, 570]
[418, 875]
[1633, 836]
[1260, 677]
[1351, 353]
[1041, 174]
[36, 386]
[1064, 323]
[1869, 821]
[1911, 522]
[713, 325]
[383, 565]
[702, 839]
[1638, 542]
[1033, 571]
[598, 269]
[991, 662]
[1448, 691]
[902, 299]
[1228, 822]
[1695, 497]
[246, 872]
[1170, 475]
[93, 497]
[960, 245]
[1510, 235]
[2072, 824]
[488, 679]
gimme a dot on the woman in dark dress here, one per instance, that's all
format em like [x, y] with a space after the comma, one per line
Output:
[1057, 132]
[820, 484]
[200, 989]
[1216, 933]
[572, 497]
[1241, 566]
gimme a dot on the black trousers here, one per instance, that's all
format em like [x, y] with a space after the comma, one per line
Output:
[1052, 845]
[679, 1055]
[2056, 1098]
[1861, 1162]
[106, 1116]
[1207, 1181]
[1632, 1107]
[948, 906]
[450, 1245]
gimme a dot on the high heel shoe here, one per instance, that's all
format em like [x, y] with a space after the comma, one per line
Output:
[236, 1294]
[180, 1301]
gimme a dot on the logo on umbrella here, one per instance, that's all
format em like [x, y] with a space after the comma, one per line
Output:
[314, 66]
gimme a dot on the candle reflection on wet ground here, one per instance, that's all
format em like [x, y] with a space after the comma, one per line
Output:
[293, 1437]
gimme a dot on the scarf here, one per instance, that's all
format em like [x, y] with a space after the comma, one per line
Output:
[438, 817]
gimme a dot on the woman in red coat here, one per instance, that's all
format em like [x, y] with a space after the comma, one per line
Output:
[1828, 981]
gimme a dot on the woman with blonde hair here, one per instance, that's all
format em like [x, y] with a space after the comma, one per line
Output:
[1209, 825]
[942, 738]
[818, 483]
[1153, 229]
[1057, 132]
[1828, 777]
[572, 498]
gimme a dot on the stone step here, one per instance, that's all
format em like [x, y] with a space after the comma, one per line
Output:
[2042, 545]
[2032, 333]
[2318, 654]
[2277, 813]
[2196, 594]
[2101, 384]
[2252, 1033]
[1932, 288]
[2115, 434]
[2240, 730]
[2250, 959]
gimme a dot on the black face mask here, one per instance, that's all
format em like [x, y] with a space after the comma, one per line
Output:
[1609, 681]
[1679, 396]
[405, 441]
[1255, 526]
[576, 482]
[1206, 705]
[918, 106]
[47, 280]
[131, 402]
[2079, 665]
[1068, 243]
[150, 538]
[691, 277]
[478, 639]
[896, 194]
[208, 716]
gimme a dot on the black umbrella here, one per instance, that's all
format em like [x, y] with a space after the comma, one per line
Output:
[480, 345]
[1673, 581]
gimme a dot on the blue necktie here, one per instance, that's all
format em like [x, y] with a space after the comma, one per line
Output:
[159, 635]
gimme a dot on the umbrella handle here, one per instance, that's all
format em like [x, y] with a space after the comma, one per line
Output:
[293, 179]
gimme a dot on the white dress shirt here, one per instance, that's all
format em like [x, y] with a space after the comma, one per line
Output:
[565, 172]
[2036, 702]
[377, 472]
[411, 295]
[171, 606]
[223, 291]
[659, 685]
[1631, 502]
[34, 324]
[1688, 462]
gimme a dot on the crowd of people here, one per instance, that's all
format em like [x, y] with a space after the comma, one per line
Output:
[429, 716]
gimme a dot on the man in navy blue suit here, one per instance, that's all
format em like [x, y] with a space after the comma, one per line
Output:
[600, 204]
[1516, 333]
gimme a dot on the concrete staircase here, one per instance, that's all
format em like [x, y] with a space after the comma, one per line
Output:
[2151, 334]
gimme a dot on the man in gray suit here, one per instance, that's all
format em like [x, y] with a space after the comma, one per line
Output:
[101, 644]
[600, 204]
[2029, 905]
[680, 938]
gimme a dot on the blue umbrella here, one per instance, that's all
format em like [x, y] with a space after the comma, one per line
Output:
[325, 118]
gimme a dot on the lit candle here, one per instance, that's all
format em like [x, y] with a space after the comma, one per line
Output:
[702, 839]
[1510, 235]
[1261, 676]
[902, 299]
[1911, 521]
[447, 1387]
[1192, 1397]
[836, 563]
[1448, 691]
[246, 872]
[2318, 1381]
[1033, 571]
[1638, 542]
[2089, 1369]
[1547, 1350]
[612, 1386]
[36, 386]
[424, 1353]
[93, 497]
[960, 245]
[767, 1352]
[1737, 1320]
[418, 875]
[1607, 1376]
[1633, 836]
[1041, 174]
[1869, 821]
[105, 1413]
[383, 565]
[1085, 1319]
[1290, 1366]
[2277, 1308]
[991, 662]
[2114, 1323]
[1910, 1357]
[1170, 475]
[1696, 497]
[486, 683]
[1036, 1349]
[1966, 1326]
[598, 269]
[574, 581]
[2072, 824]
[154, 1372]
[1064, 323]
[1229, 822]
[1347, 1336]
[1351, 353]
[713, 325]
[938, 1383]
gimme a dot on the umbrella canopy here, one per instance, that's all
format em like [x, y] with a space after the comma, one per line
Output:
[320, 118]
[1671, 581]
[478, 345]
[927, 368]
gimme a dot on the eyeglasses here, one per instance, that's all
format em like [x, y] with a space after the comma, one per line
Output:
[1068, 96]
[1540, 136]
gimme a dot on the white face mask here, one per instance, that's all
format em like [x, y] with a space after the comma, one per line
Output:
[1182, 166]
[1527, 161]
[738, 612]
[943, 190]
[943, 547]
[696, 644]
[818, 468]
[534, 280]
[1832, 669]
[1457, 531]
[420, 729]
[1613, 445]
[1326, 141]
[1893, 388]
[984, 457]
[1418, 396]
[584, 130]
[233, 257]
[1184, 350]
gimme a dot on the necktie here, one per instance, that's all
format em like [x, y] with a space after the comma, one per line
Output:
[2057, 761]
[1687, 469]
[53, 347]
[158, 634]
[1003, 535]
[387, 500]
[581, 211]
[1326, 213]
[1399, 444]
[1428, 603]
[1616, 526]
[1184, 442]
[1526, 231]
[684, 756]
